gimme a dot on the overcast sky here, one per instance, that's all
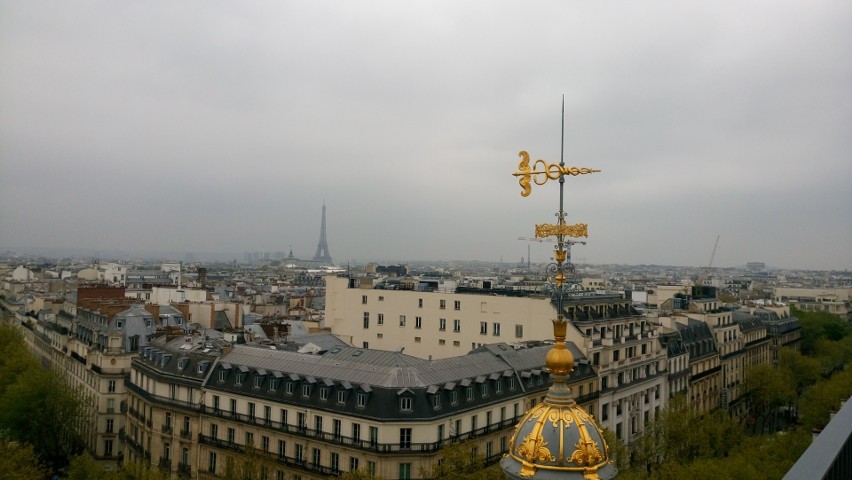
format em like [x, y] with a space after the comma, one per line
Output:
[223, 126]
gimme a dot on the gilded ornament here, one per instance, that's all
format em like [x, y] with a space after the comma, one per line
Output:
[547, 230]
[586, 453]
[534, 449]
[548, 171]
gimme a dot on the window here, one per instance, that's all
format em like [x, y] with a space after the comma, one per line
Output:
[498, 386]
[405, 404]
[519, 331]
[374, 436]
[381, 298]
[211, 465]
[318, 424]
[353, 464]
[596, 358]
[404, 438]
[283, 418]
[110, 405]
[483, 328]
[456, 343]
[288, 388]
[323, 394]
[644, 348]
[267, 414]
[418, 322]
[402, 320]
[417, 339]
[273, 385]
[214, 430]
[457, 305]
[341, 397]
[335, 428]
[371, 468]
[483, 389]
[306, 390]
[441, 341]
[361, 400]
[251, 411]
[356, 432]
[222, 375]
[473, 420]
[299, 452]
[442, 324]
[258, 381]
[495, 328]
[302, 420]
[264, 443]
[317, 457]
[238, 380]
[440, 432]
[110, 424]
[511, 383]
[457, 325]
[364, 299]
[334, 461]
[469, 393]
[615, 355]
[111, 386]
[442, 304]
[232, 435]
[419, 303]
[366, 319]
[436, 402]
[380, 319]
[282, 448]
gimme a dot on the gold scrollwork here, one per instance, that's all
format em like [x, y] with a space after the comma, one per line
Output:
[548, 171]
[547, 230]
[586, 453]
[534, 449]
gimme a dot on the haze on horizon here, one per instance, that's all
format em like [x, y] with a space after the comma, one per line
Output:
[224, 127]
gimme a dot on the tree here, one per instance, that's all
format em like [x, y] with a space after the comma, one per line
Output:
[36, 407]
[19, 462]
[459, 461]
[768, 388]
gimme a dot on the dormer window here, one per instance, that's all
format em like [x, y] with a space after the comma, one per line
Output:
[341, 397]
[306, 390]
[469, 393]
[238, 380]
[273, 385]
[258, 381]
[405, 404]
[362, 400]
[288, 388]
[222, 374]
[436, 402]
[323, 393]
[454, 397]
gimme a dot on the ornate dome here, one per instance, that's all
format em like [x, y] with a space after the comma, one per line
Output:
[558, 439]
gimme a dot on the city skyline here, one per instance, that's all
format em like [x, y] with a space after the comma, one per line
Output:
[208, 128]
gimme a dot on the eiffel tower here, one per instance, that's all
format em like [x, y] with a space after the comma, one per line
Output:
[322, 254]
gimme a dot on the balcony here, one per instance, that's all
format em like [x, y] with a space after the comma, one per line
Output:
[167, 429]
[184, 470]
[186, 434]
[366, 445]
[165, 464]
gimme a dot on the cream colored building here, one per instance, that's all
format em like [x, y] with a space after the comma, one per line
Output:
[431, 322]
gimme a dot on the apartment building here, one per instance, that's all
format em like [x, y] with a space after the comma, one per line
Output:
[632, 365]
[305, 416]
[434, 322]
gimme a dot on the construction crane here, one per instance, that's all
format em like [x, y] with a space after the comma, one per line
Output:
[534, 239]
[546, 240]
[706, 272]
